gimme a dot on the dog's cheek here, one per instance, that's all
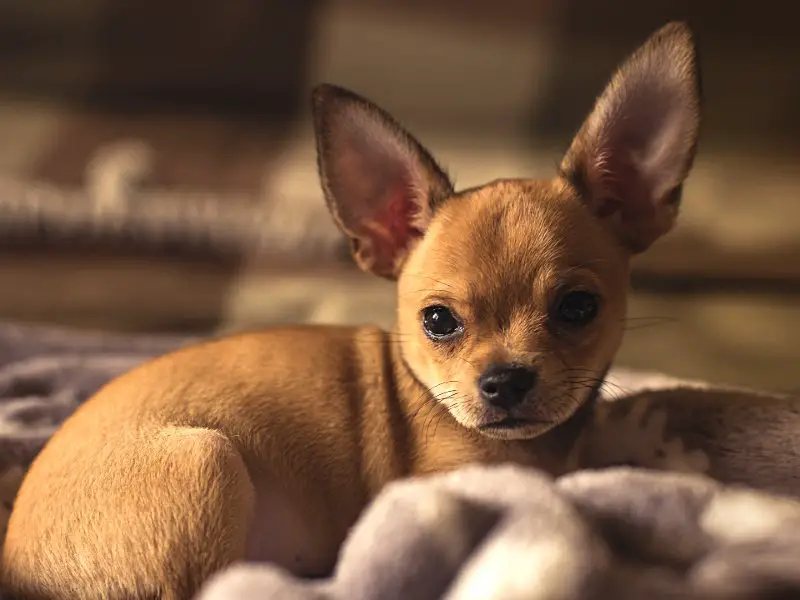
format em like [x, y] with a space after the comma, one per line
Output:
[570, 374]
[448, 376]
[423, 359]
[596, 348]
[443, 371]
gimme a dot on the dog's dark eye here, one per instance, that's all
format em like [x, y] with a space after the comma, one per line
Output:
[439, 322]
[577, 308]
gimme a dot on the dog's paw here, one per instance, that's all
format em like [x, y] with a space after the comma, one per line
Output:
[636, 436]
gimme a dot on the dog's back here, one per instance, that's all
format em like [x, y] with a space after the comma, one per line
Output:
[199, 435]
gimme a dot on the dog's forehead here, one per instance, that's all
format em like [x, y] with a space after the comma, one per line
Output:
[510, 221]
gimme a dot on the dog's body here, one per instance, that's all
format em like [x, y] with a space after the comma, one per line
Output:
[245, 480]
[267, 446]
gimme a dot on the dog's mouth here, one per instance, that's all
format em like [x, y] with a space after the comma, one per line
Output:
[507, 424]
[511, 428]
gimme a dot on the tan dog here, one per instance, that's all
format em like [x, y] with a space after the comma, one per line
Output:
[267, 446]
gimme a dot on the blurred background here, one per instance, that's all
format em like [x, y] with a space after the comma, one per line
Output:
[158, 169]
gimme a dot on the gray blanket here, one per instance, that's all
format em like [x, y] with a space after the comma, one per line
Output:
[479, 533]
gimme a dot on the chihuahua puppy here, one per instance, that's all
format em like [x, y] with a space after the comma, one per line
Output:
[267, 446]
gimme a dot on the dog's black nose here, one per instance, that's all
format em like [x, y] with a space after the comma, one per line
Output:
[506, 385]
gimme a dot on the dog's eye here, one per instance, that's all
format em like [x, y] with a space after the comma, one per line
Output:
[577, 308]
[439, 322]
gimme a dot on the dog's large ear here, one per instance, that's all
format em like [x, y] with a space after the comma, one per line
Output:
[631, 156]
[380, 184]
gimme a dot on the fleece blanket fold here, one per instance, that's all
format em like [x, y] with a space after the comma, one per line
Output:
[501, 532]
[510, 533]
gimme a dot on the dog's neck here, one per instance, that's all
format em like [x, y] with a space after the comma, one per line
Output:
[437, 441]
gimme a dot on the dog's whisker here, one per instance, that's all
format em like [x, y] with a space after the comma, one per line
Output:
[434, 279]
[420, 291]
[428, 399]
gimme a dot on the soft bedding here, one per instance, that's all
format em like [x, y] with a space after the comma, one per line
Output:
[500, 532]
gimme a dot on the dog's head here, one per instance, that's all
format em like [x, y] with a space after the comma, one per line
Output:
[512, 295]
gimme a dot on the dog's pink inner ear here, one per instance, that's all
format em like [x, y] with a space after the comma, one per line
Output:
[635, 149]
[379, 182]
[390, 230]
[641, 150]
